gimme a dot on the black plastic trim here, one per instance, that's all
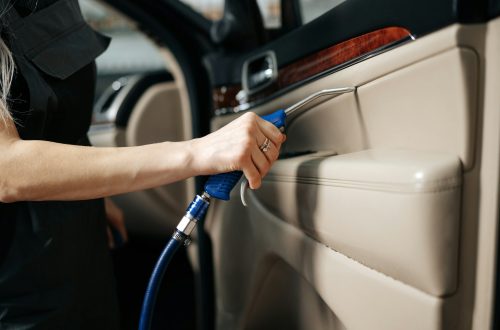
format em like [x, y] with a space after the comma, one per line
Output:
[135, 92]
[193, 16]
[350, 19]
[354, 18]
[478, 11]
[494, 8]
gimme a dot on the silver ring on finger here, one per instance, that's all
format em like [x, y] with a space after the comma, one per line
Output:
[264, 147]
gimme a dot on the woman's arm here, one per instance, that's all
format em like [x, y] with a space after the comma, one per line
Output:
[41, 170]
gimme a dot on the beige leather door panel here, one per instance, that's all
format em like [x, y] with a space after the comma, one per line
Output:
[429, 105]
[374, 232]
[373, 219]
[254, 240]
[395, 211]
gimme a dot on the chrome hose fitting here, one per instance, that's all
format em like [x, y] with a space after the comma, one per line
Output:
[194, 213]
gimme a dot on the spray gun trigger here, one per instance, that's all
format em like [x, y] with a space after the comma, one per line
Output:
[243, 190]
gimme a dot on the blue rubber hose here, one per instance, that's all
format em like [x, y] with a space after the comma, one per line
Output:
[155, 281]
[194, 213]
[218, 186]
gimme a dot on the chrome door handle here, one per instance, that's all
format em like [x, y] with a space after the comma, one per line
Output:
[259, 72]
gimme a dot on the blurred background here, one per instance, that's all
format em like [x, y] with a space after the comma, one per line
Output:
[132, 52]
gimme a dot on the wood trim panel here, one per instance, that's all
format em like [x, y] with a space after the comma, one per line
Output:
[315, 64]
[336, 55]
[225, 96]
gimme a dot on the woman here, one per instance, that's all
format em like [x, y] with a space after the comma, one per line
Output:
[55, 271]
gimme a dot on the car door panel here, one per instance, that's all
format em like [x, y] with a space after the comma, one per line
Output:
[379, 207]
[375, 229]
[358, 296]
[436, 96]
[402, 85]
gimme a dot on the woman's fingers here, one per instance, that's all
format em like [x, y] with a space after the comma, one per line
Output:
[263, 155]
[261, 162]
[271, 131]
[271, 152]
[115, 219]
[252, 174]
[268, 141]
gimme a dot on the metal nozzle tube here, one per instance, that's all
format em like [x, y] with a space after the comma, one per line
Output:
[325, 92]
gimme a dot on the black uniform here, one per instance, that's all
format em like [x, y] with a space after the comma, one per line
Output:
[55, 267]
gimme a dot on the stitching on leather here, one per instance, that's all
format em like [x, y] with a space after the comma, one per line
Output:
[439, 181]
[427, 187]
[366, 266]
[308, 235]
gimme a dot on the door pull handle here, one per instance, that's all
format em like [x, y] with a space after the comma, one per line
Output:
[279, 118]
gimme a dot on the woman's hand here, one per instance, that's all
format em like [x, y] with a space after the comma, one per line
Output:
[116, 222]
[239, 146]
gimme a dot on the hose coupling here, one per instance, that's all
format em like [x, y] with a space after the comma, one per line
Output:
[194, 213]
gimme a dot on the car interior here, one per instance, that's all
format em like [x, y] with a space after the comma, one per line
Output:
[382, 211]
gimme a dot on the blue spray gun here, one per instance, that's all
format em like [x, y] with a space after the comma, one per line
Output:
[217, 186]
